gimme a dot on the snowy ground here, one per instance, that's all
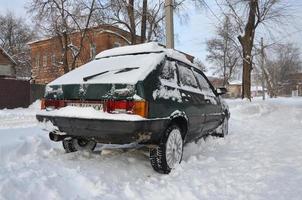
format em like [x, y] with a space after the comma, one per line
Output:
[260, 159]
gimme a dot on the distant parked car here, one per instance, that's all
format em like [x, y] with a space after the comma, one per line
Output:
[143, 94]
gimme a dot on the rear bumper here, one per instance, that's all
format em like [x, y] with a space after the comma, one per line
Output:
[147, 131]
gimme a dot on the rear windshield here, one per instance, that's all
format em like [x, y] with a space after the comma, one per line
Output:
[114, 70]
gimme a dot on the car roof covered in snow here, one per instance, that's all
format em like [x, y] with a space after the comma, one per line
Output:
[124, 65]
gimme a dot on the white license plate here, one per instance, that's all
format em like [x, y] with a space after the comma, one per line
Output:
[96, 106]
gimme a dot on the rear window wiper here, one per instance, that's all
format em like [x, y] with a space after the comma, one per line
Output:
[95, 75]
[127, 69]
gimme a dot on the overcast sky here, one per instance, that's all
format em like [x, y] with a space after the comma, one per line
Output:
[192, 34]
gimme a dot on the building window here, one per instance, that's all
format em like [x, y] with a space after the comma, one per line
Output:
[53, 59]
[45, 61]
[38, 61]
[92, 51]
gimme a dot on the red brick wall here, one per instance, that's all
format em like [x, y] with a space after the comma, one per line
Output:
[101, 39]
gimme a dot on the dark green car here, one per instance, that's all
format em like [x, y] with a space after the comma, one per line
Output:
[144, 95]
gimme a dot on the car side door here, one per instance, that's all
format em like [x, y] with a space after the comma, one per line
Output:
[192, 102]
[163, 91]
[213, 111]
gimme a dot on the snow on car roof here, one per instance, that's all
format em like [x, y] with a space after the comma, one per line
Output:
[143, 48]
[125, 65]
[127, 69]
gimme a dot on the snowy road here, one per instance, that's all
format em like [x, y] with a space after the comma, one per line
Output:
[260, 159]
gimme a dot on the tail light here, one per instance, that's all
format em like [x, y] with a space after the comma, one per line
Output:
[50, 103]
[110, 106]
[128, 107]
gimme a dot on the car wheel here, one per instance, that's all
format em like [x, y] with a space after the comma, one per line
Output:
[223, 129]
[225, 126]
[74, 144]
[169, 153]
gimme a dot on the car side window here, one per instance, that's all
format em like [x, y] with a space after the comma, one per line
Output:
[186, 76]
[204, 85]
[168, 73]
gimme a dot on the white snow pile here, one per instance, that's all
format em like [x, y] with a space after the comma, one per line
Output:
[260, 159]
[165, 93]
[144, 48]
[88, 113]
[20, 117]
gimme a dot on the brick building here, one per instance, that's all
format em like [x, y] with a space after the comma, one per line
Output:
[46, 54]
[7, 64]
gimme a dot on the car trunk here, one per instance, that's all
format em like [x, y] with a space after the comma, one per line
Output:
[111, 98]
[90, 91]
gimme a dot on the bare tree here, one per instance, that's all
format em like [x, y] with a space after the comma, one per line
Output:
[14, 36]
[286, 60]
[223, 50]
[138, 17]
[249, 15]
[280, 61]
[61, 18]
[200, 65]
[141, 17]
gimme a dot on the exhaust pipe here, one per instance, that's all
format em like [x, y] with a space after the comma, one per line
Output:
[56, 137]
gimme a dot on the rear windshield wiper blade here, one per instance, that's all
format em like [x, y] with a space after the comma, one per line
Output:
[127, 69]
[95, 75]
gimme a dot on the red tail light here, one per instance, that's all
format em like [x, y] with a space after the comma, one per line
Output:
[128, 107]
[50, 103]
[110, 106]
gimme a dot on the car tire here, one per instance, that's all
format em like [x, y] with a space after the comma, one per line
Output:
[224, 128]
[165, 156]
[74, 144]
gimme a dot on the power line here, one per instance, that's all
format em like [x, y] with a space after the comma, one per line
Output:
[212, 12]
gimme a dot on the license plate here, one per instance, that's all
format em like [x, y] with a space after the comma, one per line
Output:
[97, 106]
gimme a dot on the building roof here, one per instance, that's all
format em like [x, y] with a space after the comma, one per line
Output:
[105, 28]
[3, 52]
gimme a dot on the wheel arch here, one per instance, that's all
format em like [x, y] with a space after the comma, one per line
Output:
[180, 118]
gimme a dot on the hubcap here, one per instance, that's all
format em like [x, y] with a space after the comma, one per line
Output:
[174, 147]
[225, 126]
[83, 144]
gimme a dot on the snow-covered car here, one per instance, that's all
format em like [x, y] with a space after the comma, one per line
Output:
[143, 94]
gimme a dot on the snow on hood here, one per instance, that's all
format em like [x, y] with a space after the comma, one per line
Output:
[109, 63]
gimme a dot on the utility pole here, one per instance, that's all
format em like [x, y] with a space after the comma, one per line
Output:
[262, 68]
[169, 24]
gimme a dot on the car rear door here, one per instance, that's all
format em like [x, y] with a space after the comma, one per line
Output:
[212, 109]
[192, 102]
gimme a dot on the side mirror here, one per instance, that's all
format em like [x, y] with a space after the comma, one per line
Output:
[221, 91]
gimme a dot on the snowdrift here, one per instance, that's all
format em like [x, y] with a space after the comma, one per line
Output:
[260, 159]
